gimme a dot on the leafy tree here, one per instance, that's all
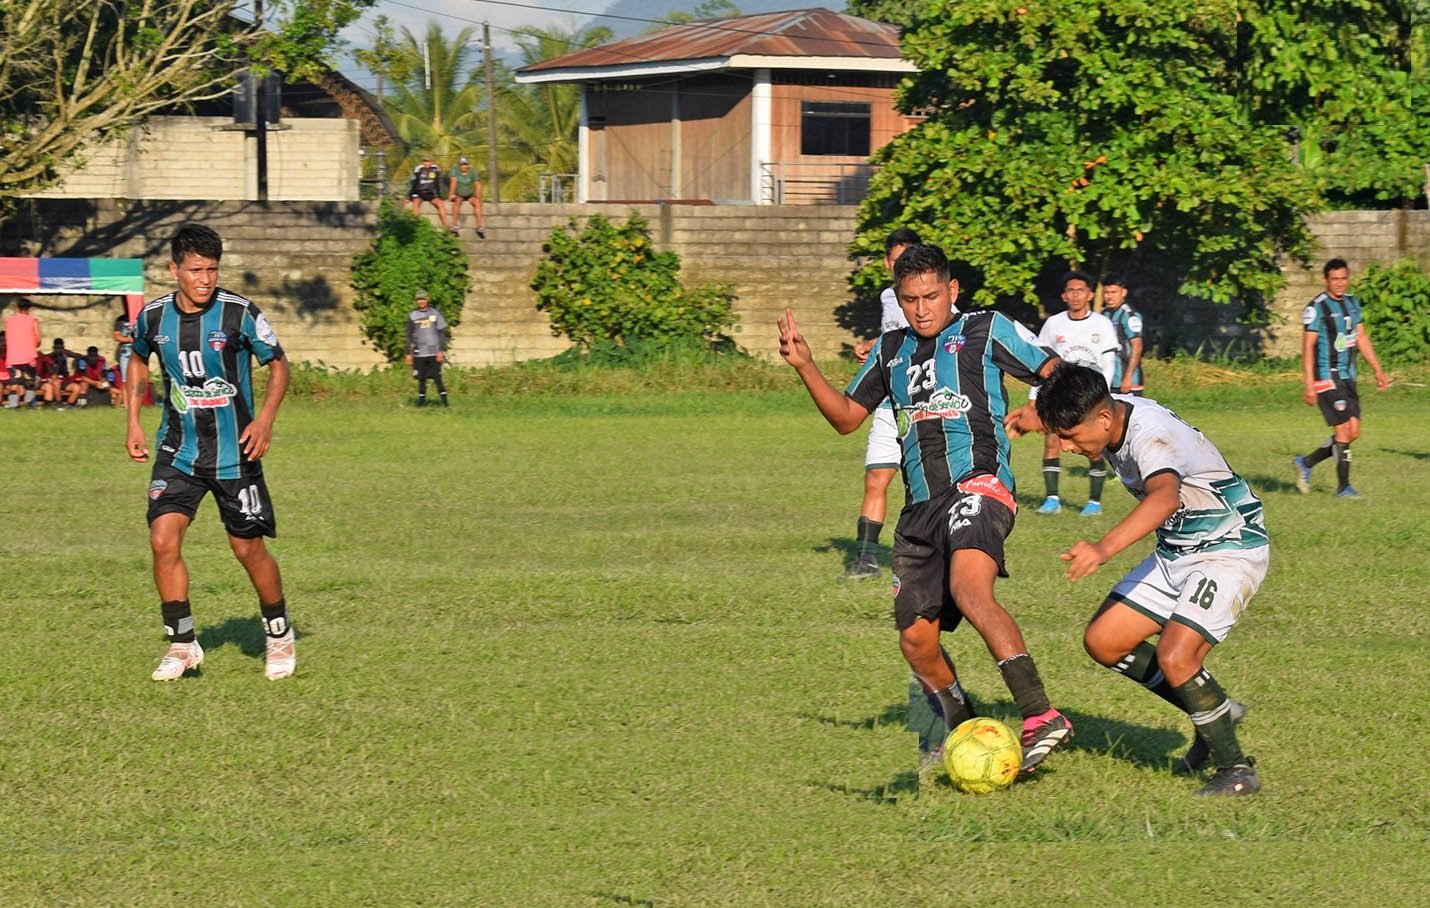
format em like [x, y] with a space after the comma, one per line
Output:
[1352, 83]
[1101, 135]
[708, 9]
[898, 12]
[408, 254]
[76, 74]
[1396, 304]
[608, 284]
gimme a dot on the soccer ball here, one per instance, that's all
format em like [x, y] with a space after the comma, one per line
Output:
[982, 755]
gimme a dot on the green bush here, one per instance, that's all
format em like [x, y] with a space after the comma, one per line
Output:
[1395, 303]
[408, 254]
[607, 283]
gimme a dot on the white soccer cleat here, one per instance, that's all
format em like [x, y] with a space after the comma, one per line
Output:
[180, 658]
[280, 659]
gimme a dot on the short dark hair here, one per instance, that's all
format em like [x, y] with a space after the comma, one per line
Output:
[920, 258]
[1068, 395]
[900, 236]
[199, 240]
[1334, 265]
[1113, 279]
[1077, 274]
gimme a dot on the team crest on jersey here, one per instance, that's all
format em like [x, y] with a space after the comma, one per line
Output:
[217, 341]
[215, 394]
[898, 584]
[1061, 339]
[1340, 406]
[954, 343]
[156, 488]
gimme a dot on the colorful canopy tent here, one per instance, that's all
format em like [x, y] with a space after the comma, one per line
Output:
[123, 277]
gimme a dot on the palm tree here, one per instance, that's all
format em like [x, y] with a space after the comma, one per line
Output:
[539, 122]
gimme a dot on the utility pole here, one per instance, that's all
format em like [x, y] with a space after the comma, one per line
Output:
[491, 117]
[259, 115]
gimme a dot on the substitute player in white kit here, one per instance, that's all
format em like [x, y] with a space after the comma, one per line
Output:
[1087, 338]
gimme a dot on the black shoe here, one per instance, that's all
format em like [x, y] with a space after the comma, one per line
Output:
[1236, 779]
[1196, 756]
[863, 568]
[1039, 740]
[481, 234]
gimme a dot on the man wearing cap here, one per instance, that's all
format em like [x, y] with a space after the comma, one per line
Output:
[426, 343]
[426, 183]
[466, 188]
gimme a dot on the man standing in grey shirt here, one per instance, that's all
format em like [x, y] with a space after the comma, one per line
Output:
[426, 343]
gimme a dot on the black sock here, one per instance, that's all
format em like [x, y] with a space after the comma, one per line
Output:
[1141, 666]
[868, 532]
[178, 620]
[1319, 454]
[1097, 475]
[1051, 468]
[1210, 710]
[1021, 676]
[275, 618]
[1343, 465]
[421, 392]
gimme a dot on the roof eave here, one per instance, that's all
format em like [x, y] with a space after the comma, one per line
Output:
[708, 64]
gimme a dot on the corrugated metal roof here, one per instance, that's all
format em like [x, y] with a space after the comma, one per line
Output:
[796, 33]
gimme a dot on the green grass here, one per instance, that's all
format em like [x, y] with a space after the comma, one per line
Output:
[593, 651]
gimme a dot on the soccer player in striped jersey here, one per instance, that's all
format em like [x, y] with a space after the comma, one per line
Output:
[1334, 333]
[1127, 373]
[944, 376]
[1211, 555]
[210, 440]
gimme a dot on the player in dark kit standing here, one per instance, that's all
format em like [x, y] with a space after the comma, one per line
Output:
[1334, 333]
[210, 440]
[943, 375]
[426, 346]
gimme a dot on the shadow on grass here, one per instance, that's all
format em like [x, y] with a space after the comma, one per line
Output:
[848, 549]
[1263, 483]
[245, 633]
[1135, 744]
[624, 899]
[1416, 455]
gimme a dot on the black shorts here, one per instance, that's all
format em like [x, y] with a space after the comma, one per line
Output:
[426, 367]
[243, 504]
[927, 535]
[426, 195]
[24, 376]
[1339, 402]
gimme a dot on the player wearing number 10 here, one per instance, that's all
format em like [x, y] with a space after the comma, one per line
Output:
[210, 440]
[1211, 556]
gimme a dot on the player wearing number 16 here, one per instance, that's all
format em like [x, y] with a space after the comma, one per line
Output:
[210, 440]
[1211, 556]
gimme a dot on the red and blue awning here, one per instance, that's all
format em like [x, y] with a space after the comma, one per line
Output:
[82, 276]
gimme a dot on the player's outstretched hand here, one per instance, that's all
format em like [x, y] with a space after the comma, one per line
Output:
[861, 349]
[1022, 420]
[793, 347]
[1083, 559]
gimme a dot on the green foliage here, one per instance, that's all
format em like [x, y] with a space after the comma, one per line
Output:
[1101, 135]
[408, 254]
[609, 283]
[899, 12]
[1395, 301]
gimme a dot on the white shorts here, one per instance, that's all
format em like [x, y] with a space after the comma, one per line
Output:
[883, 451]
[1206, 592]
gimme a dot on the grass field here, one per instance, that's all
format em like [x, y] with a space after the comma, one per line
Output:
[594, 651]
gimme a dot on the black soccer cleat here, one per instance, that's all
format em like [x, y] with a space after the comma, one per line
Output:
[1235, 780]
[1196, 756]
[1039, 740]
[863, 568]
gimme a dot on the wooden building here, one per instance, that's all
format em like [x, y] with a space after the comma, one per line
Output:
[776, 108]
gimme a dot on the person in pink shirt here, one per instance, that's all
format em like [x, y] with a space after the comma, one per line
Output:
[22, 351]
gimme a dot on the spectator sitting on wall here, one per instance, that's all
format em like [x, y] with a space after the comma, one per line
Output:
[54, 372]
[426, 186]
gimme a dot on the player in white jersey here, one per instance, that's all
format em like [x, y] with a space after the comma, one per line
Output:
[1087, 338]
[882, 453]
[1211, 555]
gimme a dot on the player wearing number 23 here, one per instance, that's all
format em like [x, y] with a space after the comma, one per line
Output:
[210, 438]
[1211, 555]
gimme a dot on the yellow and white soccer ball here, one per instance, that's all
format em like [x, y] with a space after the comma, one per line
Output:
[982, 755]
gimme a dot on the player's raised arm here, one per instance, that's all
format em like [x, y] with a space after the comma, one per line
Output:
[1161, 502]
[841, 412]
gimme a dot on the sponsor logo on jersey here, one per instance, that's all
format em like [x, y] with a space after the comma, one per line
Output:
[898, 360]
[156, 488]
[217, 341]
[954, 343]
[161, 338]
[942, 404]
[215, 394]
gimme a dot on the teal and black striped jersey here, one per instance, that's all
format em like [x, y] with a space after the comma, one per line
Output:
[206, 360]
[1218, 511]
[1129, 326]
[948, 396]
[1336, 324]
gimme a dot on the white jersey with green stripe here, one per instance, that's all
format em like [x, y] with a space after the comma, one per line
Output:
[1218, 509]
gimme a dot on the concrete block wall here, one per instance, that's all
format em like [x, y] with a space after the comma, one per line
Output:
[294, 258]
